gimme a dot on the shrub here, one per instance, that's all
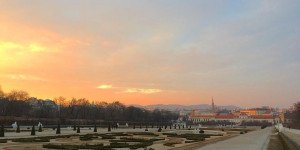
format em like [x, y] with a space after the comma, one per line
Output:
[109, 128]
[159, 130]
[18, 129]
[74, 127]
[40, 128]
[201, 131]
[263, 126]
[170, 144]
[58, 129]
[241, 132]
[78, 129]
[33, 130]
[95, 128]
[3, 141]
[104, 136]
[2, 131]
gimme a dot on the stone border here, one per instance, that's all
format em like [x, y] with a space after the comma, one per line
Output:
[290, 141]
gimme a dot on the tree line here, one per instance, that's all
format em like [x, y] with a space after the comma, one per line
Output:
[19, 104]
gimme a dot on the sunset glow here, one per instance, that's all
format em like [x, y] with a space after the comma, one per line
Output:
[139, 52]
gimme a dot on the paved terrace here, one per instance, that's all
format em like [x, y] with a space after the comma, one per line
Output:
[255, 140]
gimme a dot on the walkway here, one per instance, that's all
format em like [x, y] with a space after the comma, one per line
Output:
[255, 140]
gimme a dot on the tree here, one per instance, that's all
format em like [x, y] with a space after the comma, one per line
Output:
[95, 128]
[1, 92]
[18, 129]
[18, 95]
[58, 129]
[2, 131]
[74, 127]
[33, 130]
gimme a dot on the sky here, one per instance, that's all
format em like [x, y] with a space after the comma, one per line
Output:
[243, 53]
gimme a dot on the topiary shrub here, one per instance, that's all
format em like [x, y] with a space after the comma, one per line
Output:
[201, 131]
[40, 128]
[33, 130]
[2, 131]
[159, 130]
[95, 128]
[109, 128]
[58, 129]
[78, 129]
[18, 129]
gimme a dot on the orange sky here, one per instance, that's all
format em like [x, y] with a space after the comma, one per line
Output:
[151, 55]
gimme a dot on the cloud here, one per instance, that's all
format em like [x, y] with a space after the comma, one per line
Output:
[23, 77]
[104, 86]
[143, 91]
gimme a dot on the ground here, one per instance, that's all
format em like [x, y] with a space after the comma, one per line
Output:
[165, 142]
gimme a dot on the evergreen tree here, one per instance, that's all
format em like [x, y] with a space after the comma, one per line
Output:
[166, 126]
[40, 128]
[58, 129]
[2, 131]
[175, 126]
[74, 127]
[134, 126]
[170, 126]
[33, 130]
[140, 126]
[95, 128]
[18, 129]
[78, 129]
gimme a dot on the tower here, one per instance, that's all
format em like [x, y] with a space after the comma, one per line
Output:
[212, 105]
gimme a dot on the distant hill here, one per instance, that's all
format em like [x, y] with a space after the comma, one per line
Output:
[186, 107]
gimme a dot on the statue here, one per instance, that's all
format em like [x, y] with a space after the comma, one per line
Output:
[15, 125]
[40, 124]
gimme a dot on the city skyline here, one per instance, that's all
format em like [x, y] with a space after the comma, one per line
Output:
[243, 53]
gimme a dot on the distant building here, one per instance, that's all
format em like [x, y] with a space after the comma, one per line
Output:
[257, 114]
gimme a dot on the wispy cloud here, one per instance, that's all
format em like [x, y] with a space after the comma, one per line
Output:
[104, 86]
[143, 91]
[23, 77]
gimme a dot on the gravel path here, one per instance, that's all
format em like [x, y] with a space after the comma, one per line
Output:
[255, 140]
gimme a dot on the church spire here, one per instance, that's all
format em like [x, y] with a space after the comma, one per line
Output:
[212, 104]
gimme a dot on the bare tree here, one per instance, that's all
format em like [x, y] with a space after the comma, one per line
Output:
[17, 95]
